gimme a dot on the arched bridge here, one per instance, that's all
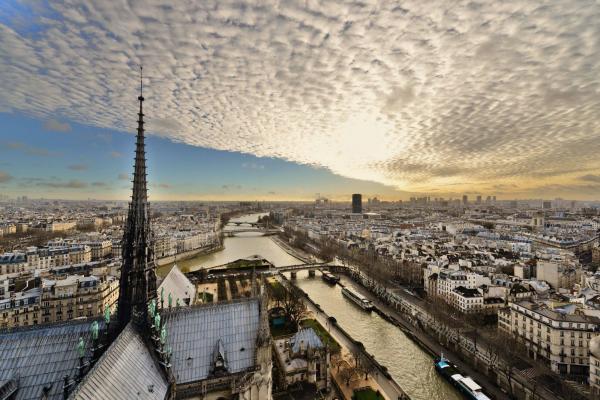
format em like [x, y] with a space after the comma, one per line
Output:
[301, 267]
[265, 232]
[254, 224]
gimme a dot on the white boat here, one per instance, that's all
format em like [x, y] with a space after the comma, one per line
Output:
[357, 298]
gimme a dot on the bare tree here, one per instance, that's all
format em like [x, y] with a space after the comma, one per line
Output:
[347, 372]
[365, 364]
[292, 303]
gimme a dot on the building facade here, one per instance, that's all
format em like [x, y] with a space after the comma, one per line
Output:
[554, 336]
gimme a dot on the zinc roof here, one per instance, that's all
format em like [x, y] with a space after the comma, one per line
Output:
[125, 371]
[41, 357]
[194, 334]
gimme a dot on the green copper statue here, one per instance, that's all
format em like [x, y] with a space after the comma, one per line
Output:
[94, 330]
[170, 300]
[162, 297]
[107, 314]
[157, 321]
[163, 335]
[152, 308]
[177, 302]
[81, 348]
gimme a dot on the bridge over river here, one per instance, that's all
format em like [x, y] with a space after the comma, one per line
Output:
[265, 232]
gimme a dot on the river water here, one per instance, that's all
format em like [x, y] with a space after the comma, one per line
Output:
[411, 367]
[240, 246]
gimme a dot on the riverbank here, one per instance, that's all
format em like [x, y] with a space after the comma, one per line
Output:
[380, 379]
[292, 251]
[429, 344]
[496, 376]
[161, 262]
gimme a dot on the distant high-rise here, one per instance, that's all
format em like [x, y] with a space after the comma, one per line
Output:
[138, 278]
[357, 203]
[465, 199]
[479, 199]
[546, 205]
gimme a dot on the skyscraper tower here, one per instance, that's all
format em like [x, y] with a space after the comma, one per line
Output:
[138, 278]
[357, 203]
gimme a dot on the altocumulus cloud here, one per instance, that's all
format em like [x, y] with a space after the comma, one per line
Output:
[54, 125]
[78, 167]
[4, 177]
[419, 96]
[58, 184]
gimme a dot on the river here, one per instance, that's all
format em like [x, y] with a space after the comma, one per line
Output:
[240, 246]
[410, 366]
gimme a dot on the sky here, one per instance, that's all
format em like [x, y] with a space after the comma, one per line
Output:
[286, 99]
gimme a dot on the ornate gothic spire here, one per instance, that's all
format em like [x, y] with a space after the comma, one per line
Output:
[138, 278]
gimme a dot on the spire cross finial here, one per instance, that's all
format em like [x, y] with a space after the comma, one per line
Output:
[141, 81]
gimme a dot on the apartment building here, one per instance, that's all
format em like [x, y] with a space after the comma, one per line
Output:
[164, 246]
[20, 309]
[78, 296]
[55, 256]
[57, 226]
[559, 336]
[59, 300]
[12, 263]
[101, 249]
[558, 274]
[7, 229]
[594, 380]
[466, 300]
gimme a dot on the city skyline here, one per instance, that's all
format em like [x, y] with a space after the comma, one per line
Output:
[285, 101]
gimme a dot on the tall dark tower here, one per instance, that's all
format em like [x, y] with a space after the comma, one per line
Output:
[138, 278]
[357, 203]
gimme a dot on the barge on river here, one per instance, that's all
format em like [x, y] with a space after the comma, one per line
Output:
[357, 298]
[330, 278]
[466, 385]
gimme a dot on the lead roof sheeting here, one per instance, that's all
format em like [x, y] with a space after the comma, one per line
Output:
[305, 337]
[42, 357]
[193, 334]
[126, 371]
[178, 285]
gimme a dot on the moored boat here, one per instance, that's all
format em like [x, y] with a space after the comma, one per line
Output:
[466, 385]
[357, 298]
[330, 278]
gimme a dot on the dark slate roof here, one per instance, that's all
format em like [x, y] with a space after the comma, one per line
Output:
[194, 333]
[125, 371]
[42, 356]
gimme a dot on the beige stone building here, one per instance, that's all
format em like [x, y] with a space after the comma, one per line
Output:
[594, 380]
[101, 249]
[558, 336]
[76, 296]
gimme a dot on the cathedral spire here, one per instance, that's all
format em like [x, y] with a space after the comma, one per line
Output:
[138, 278]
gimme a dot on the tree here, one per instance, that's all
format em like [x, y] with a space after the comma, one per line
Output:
[292, 303]
[276, 293]
[507, 352]
[347, 372]
[365, 364]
